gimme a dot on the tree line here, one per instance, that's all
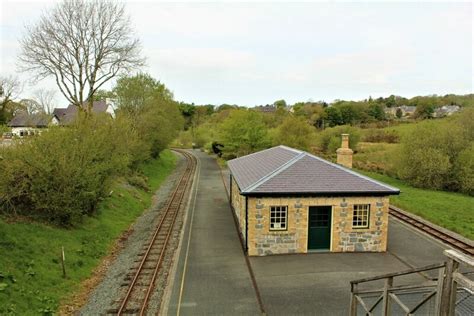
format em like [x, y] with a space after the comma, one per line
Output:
[60, 176]
[437, 154]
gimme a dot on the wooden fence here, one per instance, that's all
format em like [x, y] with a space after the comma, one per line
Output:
[431, 296]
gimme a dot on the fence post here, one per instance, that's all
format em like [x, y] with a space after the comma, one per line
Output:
[446, 308]
[439, 291]
[353, 299]
[386, 297]
[454, 289]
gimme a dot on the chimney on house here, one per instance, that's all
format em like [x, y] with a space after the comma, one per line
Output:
[344, 154]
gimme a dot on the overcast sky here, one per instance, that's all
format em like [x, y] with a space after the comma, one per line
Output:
[255, 53]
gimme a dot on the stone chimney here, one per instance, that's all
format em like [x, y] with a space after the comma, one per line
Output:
[344, 154]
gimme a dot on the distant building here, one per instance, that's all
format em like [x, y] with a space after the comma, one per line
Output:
[24, 124]
[407, 110]
[265, 108]
[65, 116]
[446, 110]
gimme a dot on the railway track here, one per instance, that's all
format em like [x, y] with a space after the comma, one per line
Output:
[143, 277]
[433, 231]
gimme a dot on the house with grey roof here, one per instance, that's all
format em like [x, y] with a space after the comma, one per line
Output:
[25, 124]
[290, 201]
[446, 110]
[65, 116]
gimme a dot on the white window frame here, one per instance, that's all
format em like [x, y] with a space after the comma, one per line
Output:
[361, 216]
[278, 209]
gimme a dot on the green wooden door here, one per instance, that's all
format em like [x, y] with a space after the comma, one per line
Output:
[319, 227]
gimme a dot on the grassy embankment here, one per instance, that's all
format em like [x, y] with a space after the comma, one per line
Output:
[31, 281]
[453, 211]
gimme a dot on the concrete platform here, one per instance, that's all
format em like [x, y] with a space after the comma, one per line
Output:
[217, 281]
[212, 277]
[318, 283]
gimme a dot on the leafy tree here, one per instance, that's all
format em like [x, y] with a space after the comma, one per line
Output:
[376, 111]
[134, 92]
[313, 112]
[333, 116]
[149, 104]
[349, 113]
[82, 45]
[242, 133]
[424, 110]
[188, 111]
[102, 95]
[399, 113]
[429, 155]
[294, 132]
[280, 104]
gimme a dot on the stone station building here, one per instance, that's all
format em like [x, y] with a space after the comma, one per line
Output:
[289, 201]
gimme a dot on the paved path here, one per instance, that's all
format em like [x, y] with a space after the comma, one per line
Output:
[216, 278]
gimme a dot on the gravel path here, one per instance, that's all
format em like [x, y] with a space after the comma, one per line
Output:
[112, 288]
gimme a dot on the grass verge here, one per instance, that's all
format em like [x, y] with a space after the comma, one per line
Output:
[31, 280]
[453, 211]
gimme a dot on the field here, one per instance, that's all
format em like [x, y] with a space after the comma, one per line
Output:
[453, 211]
[31, 281]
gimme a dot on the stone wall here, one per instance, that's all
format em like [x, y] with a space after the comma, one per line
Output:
[374, 238]
[238, 203]
[345, 238]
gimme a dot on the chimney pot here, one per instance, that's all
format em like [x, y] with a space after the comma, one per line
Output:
[344, 154]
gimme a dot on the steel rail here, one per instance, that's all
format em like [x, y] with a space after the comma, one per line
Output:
[171, 209]
[432, 231]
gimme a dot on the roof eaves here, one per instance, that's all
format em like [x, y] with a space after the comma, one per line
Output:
[283, 167]
[355, 173]
[323, 193]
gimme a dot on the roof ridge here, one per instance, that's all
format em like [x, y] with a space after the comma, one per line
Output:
[274, 172]
[291, 149]
[353, 172]
[266, 149]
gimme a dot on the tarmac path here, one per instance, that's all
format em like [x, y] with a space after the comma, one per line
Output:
[211, 276]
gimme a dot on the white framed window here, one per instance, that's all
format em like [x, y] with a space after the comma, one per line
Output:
[278, 217]
[360, 216]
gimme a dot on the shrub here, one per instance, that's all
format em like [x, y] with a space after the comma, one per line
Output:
[427, 168]
[380, 136]
[329, 140]
[465, 170]
[60, 176]
[435, 156]
[139, 181]
[3, 129]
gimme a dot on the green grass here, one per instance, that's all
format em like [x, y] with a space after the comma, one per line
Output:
[31, 281]
[453, 211]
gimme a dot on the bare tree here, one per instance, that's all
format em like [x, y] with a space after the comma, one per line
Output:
[81, 44]
[10, 89]
[30, 106]
[46, 99]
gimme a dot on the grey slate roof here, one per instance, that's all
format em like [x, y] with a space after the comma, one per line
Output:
[30, 120]
[68, 115]
[284, 170]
